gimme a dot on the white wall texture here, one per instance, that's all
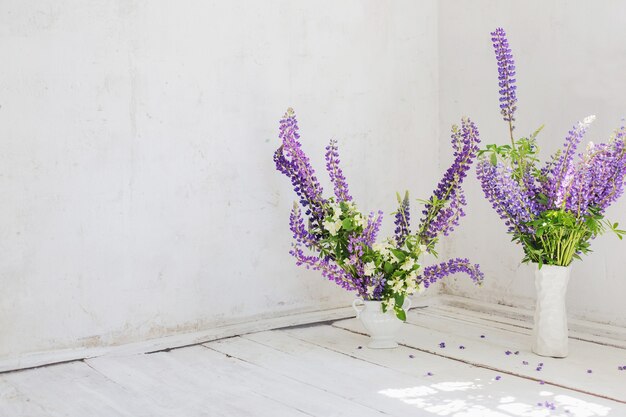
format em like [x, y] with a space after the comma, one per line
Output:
[139, 196]
[570, 57]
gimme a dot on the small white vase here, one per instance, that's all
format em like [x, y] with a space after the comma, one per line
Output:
[550, 330]
[382, 327]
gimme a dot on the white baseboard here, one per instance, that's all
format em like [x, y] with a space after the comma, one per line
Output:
[498, 314]
[37, 359]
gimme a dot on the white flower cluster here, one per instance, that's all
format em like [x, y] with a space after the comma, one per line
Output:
[404, 283]
[334, 223]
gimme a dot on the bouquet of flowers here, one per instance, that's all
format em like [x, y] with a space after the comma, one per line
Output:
[554, 211]
[341, 240]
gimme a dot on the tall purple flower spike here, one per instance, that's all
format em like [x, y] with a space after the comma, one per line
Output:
[561, 173]
[402, 220]
[300, 233]
[436, 272]
[293, 162]
[598, 179]
[442, 218]
[336, 174]
[506, 74]
[514, 205]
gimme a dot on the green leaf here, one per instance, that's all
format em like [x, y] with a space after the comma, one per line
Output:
[347, 224]
[398, 254]
[401, 314]
[494, 159]
[399, 300]
[388, 268]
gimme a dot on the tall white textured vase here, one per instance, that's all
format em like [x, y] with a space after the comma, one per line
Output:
[550, 330]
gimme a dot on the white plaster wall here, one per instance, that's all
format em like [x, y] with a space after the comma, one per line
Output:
[139, 196]
[570, 58]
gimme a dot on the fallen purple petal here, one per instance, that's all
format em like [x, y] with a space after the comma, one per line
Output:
[498, 378]
[411, 356]
[429, 374]
[589, 371]
[442, 345]
[461, 347]
[508, 352]
[524, 362]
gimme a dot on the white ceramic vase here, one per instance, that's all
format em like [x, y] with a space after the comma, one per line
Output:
[382, 327]
[550, 330]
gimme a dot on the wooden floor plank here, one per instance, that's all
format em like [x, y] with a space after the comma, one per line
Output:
[327, 370]
[14, 403]
[592, 330]
[478, 387]
[187, 382]
[396, 392]
[266, 383]
[350, 378]
[69, 390]
[425, 332]
[524, 325]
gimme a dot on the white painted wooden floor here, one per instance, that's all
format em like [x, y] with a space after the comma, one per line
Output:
[484, 370]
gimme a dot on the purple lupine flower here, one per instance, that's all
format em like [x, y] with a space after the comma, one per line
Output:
[300, 232]
[445, 207]
[402, 220]
[434, 273]
[293, 162]
[607, 171]
[345, 265]
[370, 232]
[514, 205]
[336, 174]
[329, 270]
[560, 176]
[506, 74]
